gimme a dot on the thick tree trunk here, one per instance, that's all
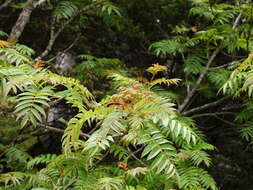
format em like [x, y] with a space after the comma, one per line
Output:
[23, 19]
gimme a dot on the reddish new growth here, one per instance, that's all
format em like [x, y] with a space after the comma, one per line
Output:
[128, 97]
[39, 64]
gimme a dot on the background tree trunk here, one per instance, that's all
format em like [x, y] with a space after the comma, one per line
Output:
[23, 19]
[5, 4]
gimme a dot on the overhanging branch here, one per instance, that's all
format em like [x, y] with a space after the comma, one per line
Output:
[54, 34]
[201, 77]
[57, 130]
[203, 107]
[204, 72]
[135, 157]
[212, 114]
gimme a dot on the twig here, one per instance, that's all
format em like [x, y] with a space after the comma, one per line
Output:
[238, 106]
[208, 105]
[233, 56]
[68, 48]
[3, 153]
[41, 134]
[192, 99]
[54, 102]
[73, 43]
[51, 42]
[212, 114]
[95, 128]
[135, 152]
[135, 157]
[99, 160]
[227, 64]
[118, 135]
[69, 184]
[203, 73]
[83, 135]
[225, 121]
[219, 67]
[186, 77]
[237, 20]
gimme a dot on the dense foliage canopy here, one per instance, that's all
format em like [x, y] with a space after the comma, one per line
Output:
[126, 95]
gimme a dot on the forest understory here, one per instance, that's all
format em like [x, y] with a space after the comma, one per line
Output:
[126, 94]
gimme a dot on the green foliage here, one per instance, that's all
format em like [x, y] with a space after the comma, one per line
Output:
[241, 78]
[94, 67]
[16, 158]
[13, 56]
[119, 152]
[219, 76]
[164, 47]
[193, 177]
[133, 117]
[36, 85]
[134, 138]
[64, 10]
[132, 103]
[247, 132]
[173, 96]
[43, 159]
[2, 33]
[110, 8]
[24, 50]
[194, 63]
[30, 106]
[245, 114]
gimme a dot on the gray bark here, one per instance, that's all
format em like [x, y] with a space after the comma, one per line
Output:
[23, 19]
[5, 4]
[55, 33]
[202, 75]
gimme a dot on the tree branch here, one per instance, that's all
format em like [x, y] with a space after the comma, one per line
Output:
[208, 105]
[71, 182]
[40, 2]
[201, 77]
[212, 114]
[73, 43]
[100, 159]
[225, 121]
[237, 21]
[68, 48]
[54, 35]
[5, 4]
[135, 152]
[203, 73]
[233, 56]
[237, 106]
[83, 135]
[23, 19]
[54, 102]
[219, 67]
[51, 42]
[135, 157]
